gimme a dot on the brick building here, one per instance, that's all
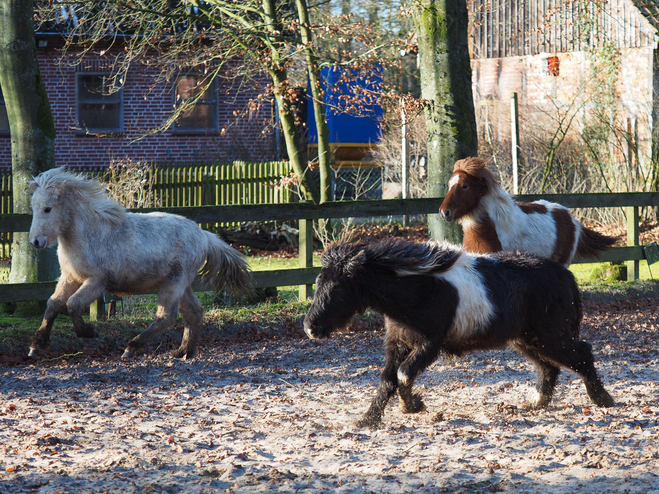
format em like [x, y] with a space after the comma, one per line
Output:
[549, 52]
[93, 127]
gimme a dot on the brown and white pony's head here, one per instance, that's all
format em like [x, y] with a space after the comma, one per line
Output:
[470, 182]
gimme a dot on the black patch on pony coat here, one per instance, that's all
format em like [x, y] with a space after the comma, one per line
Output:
[537, 310]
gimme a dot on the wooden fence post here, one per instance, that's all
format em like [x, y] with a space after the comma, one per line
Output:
[514, 137]
[97, 310]
[305, 246]
[633, 240]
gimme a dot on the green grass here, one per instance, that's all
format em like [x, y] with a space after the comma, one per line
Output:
[582, 272]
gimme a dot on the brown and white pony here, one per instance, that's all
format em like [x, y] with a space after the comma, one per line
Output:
[104, 248]
[492, 221]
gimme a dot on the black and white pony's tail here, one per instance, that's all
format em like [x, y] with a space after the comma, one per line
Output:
[592, 244]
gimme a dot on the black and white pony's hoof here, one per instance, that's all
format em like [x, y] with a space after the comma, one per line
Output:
[369, 422]
[602, 399]
[127, 355]
[414, 405]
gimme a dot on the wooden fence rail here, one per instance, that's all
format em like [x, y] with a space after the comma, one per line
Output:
[305, 275]
[235, 182]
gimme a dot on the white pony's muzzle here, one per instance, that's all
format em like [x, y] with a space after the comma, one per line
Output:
[40, 242]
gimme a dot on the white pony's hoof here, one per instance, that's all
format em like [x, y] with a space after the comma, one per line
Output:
[127, 355]
[33, 352]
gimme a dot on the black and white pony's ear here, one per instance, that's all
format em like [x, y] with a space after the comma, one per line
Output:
[355, 264]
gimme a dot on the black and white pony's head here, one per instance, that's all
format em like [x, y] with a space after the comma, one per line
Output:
[338, 294]
[357, 276]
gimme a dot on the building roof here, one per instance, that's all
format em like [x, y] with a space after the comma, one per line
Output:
[650, 10]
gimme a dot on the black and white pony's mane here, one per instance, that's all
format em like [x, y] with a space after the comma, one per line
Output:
[405, 258]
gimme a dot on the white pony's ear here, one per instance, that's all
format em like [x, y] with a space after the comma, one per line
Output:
[32, 185]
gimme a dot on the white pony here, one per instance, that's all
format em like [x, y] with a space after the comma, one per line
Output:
[104, 248]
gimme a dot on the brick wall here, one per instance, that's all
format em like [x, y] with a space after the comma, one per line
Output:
[540, 94]
[147, 105]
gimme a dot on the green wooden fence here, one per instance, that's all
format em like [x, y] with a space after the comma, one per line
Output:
[305, 213]
[236, 182]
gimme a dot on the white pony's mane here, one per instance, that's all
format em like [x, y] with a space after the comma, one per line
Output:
[82, 194]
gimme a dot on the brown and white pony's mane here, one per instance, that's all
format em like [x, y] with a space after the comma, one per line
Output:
[476, 167]
[85, 196]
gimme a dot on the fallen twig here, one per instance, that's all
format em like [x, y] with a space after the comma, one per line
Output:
[62, 356]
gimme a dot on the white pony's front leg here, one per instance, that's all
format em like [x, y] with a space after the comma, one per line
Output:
[90, 291]
[56, 305]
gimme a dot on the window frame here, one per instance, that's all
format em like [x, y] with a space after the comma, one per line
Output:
[3, 106]
[213, 103]
[114, 98]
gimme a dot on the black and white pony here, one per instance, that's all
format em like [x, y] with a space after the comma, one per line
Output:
[437, 298]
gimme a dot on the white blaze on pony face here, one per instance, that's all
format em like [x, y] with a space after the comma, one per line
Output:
[45, 217]
[475, 310]
[454, 181]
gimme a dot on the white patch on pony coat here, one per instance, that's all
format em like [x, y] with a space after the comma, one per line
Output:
[534, 233]
[453, 182]
[475, 310]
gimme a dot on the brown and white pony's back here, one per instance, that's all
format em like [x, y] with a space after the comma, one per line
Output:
[492, 221]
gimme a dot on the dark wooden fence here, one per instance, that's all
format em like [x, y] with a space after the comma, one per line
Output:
[235, 182]
[305, 275]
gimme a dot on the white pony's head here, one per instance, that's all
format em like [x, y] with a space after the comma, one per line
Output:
[59, 198]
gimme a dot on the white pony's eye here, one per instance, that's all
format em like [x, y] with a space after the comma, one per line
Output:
[47, 209]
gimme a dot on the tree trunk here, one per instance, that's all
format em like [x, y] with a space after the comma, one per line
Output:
[32, 129]
[296, 153]
[318, 104]
[446, 85]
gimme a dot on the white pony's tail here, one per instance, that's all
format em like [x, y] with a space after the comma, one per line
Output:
[225, 268]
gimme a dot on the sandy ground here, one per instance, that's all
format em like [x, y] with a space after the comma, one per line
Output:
[276, 415]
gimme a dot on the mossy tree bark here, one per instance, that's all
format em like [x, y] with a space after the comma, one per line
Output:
[445, 71]
[31, 126]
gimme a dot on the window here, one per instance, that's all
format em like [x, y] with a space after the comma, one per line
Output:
[197, 89]
[4, 120]
[98, 109]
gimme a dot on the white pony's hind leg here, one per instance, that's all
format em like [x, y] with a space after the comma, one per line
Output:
[165, 317]
[193, 316]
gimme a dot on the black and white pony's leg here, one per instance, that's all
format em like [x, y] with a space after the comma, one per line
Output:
[193, 316]
[418, 359]
[546, 377]
[579, 358]
[56, 305]
[396, 354]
